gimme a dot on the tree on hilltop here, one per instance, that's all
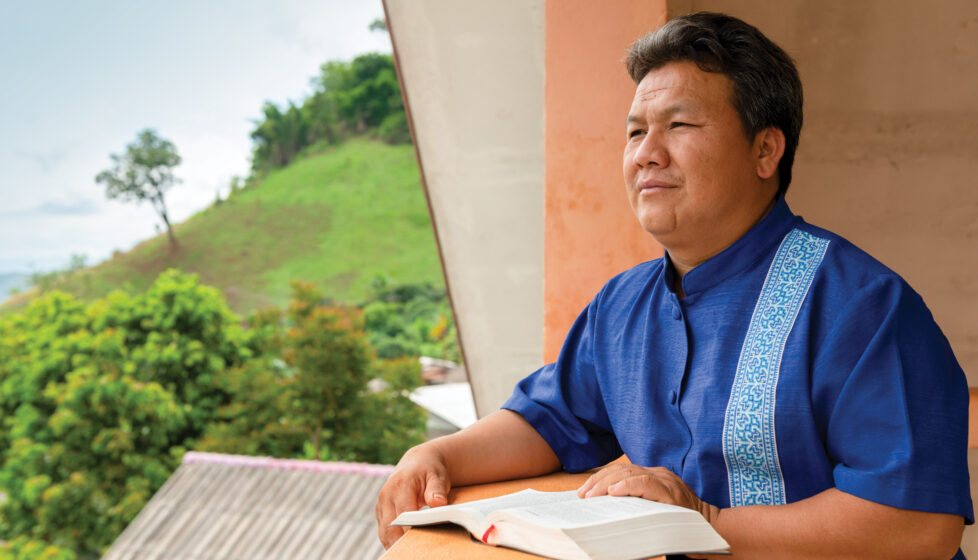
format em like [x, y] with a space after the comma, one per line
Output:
[281, 135]
[359, 97]
[379, 24]
[144, 172]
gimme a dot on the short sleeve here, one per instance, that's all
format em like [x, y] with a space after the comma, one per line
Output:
[895, 403]
[562, 401]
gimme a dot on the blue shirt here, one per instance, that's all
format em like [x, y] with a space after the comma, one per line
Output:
[795, 363]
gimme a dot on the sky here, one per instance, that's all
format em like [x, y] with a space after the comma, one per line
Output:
[81, 79]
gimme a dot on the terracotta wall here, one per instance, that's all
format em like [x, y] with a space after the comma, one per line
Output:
[889, 151]
[590, 233]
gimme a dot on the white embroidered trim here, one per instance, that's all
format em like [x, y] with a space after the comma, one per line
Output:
[749, 444]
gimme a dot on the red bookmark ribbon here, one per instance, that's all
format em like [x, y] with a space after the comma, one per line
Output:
[485, 536]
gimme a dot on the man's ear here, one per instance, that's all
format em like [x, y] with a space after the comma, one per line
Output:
[768, 149]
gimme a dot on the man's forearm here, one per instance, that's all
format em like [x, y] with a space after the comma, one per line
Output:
[501, 446]
[834, 524]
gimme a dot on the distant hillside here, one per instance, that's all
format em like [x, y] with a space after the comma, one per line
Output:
[12, 281]
[338, 219]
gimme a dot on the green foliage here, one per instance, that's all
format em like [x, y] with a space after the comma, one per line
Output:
[379, 24]
[143, 172]
[364, 91]
[329, 355]
[24, 548]
[389, 423]
[257, 421]
[46, 281]
[337, 218]
[394, 129]
[362, 96]
[326, 398]
[99, 400]
[410, 320]
[280, 135]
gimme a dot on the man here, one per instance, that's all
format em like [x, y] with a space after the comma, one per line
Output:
[765, 372]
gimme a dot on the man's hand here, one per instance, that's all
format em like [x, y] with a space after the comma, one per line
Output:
[652, 483]
[501, 446]
[420, 478]
[831, 524]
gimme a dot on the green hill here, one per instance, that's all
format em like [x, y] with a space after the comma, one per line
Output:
[338, 219]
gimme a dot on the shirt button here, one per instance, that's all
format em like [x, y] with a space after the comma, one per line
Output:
[676, 312]
[672, 397]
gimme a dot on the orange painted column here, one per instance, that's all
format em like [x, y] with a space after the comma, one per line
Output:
[590, 233]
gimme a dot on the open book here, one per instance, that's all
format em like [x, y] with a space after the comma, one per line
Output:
[561, 525]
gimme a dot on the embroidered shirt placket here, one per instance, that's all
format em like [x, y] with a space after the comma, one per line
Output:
[749, 443]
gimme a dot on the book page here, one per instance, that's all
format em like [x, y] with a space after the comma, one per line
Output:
[472, 515]
[524, 498]
[471, 520]
[581, 512]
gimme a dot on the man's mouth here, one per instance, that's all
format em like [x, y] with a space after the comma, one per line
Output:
[654, 187]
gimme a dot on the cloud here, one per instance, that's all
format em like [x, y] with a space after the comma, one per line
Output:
[46, 162]
[78, 207]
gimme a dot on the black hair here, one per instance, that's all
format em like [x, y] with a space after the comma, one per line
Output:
[766, 87]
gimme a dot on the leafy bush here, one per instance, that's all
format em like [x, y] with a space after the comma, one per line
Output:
[410, 320]
[23, 548]
[317, 400]
[403, 424]
[362, 96]
[99, 402]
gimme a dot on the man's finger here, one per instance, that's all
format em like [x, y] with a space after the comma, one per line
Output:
[385, 514]
[404, 499]
[642, 486]
[588, 484]
[436, 490]
[598, 484]
[387, 510]
[596, 479]
[389, 535]
[382, 511]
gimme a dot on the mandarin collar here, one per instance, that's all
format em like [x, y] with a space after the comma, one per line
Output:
[754, 245]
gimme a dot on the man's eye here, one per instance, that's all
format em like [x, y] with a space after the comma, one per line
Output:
[634, 133]
[678, 124]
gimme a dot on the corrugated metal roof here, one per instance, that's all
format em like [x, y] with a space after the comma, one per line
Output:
[228, 506]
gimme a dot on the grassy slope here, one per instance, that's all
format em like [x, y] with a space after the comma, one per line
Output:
[337, 219]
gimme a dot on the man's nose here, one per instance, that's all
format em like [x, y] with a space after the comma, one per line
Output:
[652, 151]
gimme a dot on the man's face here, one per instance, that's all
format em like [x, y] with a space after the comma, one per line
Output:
[690, 171]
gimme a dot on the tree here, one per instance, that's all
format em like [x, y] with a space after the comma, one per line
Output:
[99, 401]
[362, 96]
[280, 136]
[379, 24]
[144, 172]
[389, 423]
[365, 91]
[330, 356]
[317, 391]
[410, 320]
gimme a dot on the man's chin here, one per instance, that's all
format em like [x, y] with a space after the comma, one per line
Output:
[657, 225]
